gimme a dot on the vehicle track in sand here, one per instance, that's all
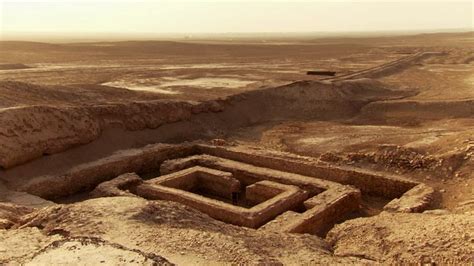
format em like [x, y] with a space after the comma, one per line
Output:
[382, 69]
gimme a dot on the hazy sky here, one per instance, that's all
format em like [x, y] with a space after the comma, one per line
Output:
[89, 16]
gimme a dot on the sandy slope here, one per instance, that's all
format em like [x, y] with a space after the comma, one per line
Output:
[178, 233]
[407, 238]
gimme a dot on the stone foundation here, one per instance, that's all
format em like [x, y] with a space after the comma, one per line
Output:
[178, 186]
[119, 186]
[241, 185]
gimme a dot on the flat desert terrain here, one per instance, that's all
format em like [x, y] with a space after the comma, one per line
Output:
[215, 151]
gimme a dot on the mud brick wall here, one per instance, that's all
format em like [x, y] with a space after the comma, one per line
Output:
[371, 183]
[88, 175]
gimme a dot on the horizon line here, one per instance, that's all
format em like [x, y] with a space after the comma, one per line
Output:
[93, 36]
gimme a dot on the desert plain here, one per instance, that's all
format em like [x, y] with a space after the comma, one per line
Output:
[122, 152]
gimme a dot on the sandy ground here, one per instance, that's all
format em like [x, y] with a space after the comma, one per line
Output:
[66, 104]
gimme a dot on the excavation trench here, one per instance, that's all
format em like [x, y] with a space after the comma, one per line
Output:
[102, 130]
[321, 195]
[69, 176]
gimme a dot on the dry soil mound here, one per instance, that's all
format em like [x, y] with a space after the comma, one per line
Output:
[30, 132]
[90, 251]
[16, 93]
[178, 233]
[310, 100]
[407, 238]
[408, 111]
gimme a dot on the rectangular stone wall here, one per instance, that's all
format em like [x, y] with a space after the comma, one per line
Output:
[87, 176]
[372, 183]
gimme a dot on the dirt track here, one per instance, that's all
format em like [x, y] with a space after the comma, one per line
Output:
[385, 69]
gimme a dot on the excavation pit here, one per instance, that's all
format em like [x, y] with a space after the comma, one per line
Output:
[241, 185]
[203, 181]
[268, 199]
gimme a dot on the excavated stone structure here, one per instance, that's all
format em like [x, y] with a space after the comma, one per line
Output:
[326, 201]
[271, 198]
[241, 185]
[118, 186]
